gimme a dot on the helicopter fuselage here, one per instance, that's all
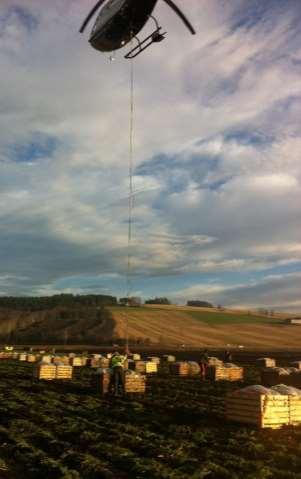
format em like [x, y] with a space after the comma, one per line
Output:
[118, 22]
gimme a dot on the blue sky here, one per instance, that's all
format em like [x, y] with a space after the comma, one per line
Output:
[217, 144]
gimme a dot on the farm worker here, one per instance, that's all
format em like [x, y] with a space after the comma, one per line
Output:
[228, 356]
[118, 376]
[204, 360]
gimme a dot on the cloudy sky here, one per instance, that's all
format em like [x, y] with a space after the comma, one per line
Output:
[217, 155]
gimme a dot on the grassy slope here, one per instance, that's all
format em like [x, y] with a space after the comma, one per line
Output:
[195, 327]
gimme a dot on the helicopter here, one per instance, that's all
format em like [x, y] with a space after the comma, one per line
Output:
[119, 22]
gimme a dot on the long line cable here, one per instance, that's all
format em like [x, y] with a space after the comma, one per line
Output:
[130, 200]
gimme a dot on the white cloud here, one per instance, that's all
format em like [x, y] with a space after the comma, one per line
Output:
[221, 204]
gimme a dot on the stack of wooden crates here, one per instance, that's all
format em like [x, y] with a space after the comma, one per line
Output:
[263, 410]
[50, 371]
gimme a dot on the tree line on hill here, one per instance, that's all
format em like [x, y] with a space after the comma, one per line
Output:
[195, 303]
[43, 303]
[36, 303]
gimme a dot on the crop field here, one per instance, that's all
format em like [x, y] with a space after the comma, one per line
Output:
[225, 318]
[177, 431]
[174, 325]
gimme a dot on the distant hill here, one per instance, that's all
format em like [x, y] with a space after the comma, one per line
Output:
[59, 325]
[194, 326]
[166, 325]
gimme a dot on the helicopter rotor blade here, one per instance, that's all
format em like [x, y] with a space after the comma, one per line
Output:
[176, 9]
[91, 14]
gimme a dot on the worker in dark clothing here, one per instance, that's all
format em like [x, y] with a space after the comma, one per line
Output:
[118, 375]
[204, 361]
[227, 356]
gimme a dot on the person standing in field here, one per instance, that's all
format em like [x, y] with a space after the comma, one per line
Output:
[227, 356]
[204, 361]
[118, 375]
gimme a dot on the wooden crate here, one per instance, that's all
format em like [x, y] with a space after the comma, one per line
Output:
[5, 355]
[194, 368]
[63, 371]
[31, 358]
[180, 368]
[135, 383]
[221, 373]
[295, 410]
[77, 361]
[151, 367]
[261, 410]
[46, 371]
[266, 362]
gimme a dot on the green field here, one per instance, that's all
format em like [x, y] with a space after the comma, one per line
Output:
[63, 430]
[224, 318]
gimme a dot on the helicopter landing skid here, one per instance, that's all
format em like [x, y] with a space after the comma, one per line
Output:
[155, 37]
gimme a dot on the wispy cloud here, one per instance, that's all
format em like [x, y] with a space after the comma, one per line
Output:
[217, 150]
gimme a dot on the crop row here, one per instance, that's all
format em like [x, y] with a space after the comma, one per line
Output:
[176, 431]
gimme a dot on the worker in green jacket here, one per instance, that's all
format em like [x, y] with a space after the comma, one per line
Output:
[118, 375]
